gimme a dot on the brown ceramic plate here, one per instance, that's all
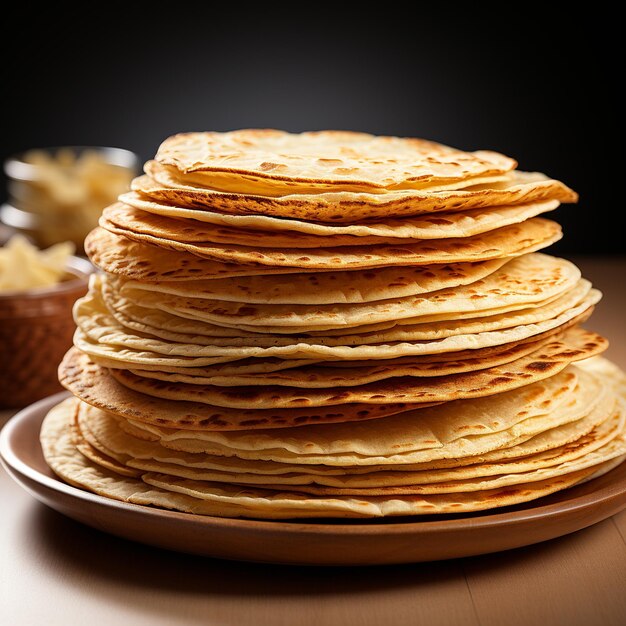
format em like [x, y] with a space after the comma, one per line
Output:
[312, 543]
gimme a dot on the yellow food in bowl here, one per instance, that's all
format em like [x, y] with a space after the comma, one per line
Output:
[24, 267]
[58, 194]
[66, 181]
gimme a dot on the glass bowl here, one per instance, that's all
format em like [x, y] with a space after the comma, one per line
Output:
[57, 194]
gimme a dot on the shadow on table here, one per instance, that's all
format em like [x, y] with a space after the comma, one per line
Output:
[159, 582]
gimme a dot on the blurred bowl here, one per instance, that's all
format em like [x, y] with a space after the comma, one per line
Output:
[42, 231]
[36, 329]
[17, 168]
[48, 205]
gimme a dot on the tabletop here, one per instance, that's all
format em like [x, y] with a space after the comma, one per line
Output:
[56, 571]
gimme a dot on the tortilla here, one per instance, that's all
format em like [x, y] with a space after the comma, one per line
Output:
[460, 224]
[181, 226]
[167, 184]
[452, 431]
[324, 287]
[259, 301]
[104, 432]
[100, 335]
[226, 501]
[426, 328]
[136, 447]
[97, 386]
[119, 255]
[507, 241]
[253, 157]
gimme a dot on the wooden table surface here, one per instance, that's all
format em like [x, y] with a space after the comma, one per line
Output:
[56, 571]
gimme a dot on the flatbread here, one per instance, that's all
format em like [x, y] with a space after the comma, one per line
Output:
[226, 501]
[460, 224]
[290, 506]
[325, 287]
[253, 157]
[388, 390]
[166, 184]
[600, 445]
[507, 241]
[187, 330]
[102, 336]
[106, 340]
[97, 456]
[592, 455]
[524, 280]
[176, 224]
[119, 255]
[96, 385]
[406, 444]
[327, 374]
[139, 448]
[452, 430]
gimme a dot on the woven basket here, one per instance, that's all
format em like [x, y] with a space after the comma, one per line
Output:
[36, 330]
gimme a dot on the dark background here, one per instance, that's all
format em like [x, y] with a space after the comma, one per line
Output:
[539, 89]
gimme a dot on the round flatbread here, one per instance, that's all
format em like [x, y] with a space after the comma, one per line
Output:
[234, 501]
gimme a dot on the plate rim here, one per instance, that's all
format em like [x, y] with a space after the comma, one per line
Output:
[490, 521]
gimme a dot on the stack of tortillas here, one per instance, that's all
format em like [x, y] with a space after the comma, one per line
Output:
[333, 325]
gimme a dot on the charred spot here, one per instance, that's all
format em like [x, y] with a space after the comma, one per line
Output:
[267, 166]
[341, 396]
[539, 366]
[501, 380]
[300, 402]
[508, 492]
